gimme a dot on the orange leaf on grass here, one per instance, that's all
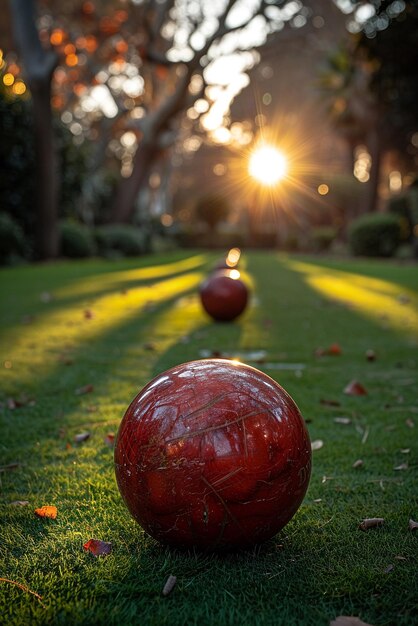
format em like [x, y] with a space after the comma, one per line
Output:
[354, 388]
[98, 547]
[334, 349]
[48, 511]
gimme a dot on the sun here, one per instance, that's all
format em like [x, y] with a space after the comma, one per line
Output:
[267, 165]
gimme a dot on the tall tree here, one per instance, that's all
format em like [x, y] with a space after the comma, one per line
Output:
[181, 39]
[129, 70]
[372, 85]
[391, 53]
[39, 64]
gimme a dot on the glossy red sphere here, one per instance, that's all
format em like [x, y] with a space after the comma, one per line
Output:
[224, 295]
[212, 454]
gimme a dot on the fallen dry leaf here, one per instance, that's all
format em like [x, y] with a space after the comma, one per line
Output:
[342, 420]
[9, 467]
[365, 435]
[48, 511]
[80, 437]
[110, 440]
[412, 525]
[317, 444]
[82, 390]
[328, 402]
[399, 557]
[19, 503]
[354, 388]
[410, 423]
[388, 569]
[348, 620]
[98, 547]
[17, 403]
[371, 522]
[370, 355]
[357, 463]
[169, 585]
[88, 314]
[402, 466]
[333, 350]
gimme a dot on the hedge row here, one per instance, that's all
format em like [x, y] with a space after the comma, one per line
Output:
[76, 241]
[375, 235]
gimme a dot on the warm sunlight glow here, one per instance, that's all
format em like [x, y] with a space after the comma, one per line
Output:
[366, 295]
[267, 165]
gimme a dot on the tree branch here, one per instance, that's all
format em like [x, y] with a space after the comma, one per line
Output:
[39, 63]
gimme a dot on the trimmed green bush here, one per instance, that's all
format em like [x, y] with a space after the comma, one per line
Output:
[212, 209]
[323, 237]
[377, 234]
[18, 163]
[13, 245]
[121, 240]
[76, 240]
[406, 207]
[399, 206]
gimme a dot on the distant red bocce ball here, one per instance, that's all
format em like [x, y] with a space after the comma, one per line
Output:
[212, 454]
[224, 295]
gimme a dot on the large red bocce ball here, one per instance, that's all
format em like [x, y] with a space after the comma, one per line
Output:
[212, 454]
[224, 295]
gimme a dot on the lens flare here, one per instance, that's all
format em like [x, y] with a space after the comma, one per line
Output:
[267, 165]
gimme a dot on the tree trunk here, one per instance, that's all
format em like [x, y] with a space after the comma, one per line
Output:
[39, 65]
[373, 144]
[124, 205]
[47, 173]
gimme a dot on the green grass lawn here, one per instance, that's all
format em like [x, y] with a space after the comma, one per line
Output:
[107, 328]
